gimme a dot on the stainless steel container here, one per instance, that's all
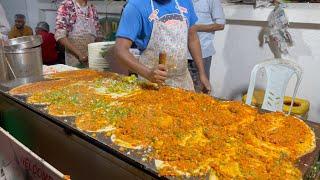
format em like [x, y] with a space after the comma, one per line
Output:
[25, 42]
[24, 57]
[25, 63]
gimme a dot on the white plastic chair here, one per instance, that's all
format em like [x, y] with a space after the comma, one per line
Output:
[279, 72]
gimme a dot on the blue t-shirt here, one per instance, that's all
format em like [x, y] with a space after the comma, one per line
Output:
[136, 26]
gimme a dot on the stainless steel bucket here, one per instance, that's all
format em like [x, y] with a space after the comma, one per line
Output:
[25, 63]
[25, 42]
[24, 57]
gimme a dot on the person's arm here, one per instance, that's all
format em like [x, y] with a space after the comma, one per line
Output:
[122, 53]
[195, 51]
[68, 45]
[209, 27]
[217, 16]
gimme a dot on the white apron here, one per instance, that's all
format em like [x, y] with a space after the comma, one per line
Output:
[82, 34]
[173, 40]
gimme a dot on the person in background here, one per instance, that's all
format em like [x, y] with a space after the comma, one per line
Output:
[210, 19]
[49, 44]
[161, 26]
[77, 25]
[4, 24]
[20, 28]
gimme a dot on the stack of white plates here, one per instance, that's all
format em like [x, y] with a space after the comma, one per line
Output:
[56, 68]
[95, 50]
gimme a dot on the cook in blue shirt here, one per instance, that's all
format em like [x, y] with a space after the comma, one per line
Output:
[210, 19]
[156, 26]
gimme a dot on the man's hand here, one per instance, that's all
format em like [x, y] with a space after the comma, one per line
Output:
[83, 59]
[158, 75]
[122, 54]
[205, 83]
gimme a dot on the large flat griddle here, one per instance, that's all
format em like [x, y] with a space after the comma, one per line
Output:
[134, 157]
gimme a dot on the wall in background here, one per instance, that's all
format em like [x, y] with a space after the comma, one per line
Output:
[238, 51]
[13, 7]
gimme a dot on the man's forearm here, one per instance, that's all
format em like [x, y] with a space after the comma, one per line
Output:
[195, 49]
[68, 45]
[209, 27]
[126, 58]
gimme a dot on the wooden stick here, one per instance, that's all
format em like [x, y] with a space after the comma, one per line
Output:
[162, 58]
